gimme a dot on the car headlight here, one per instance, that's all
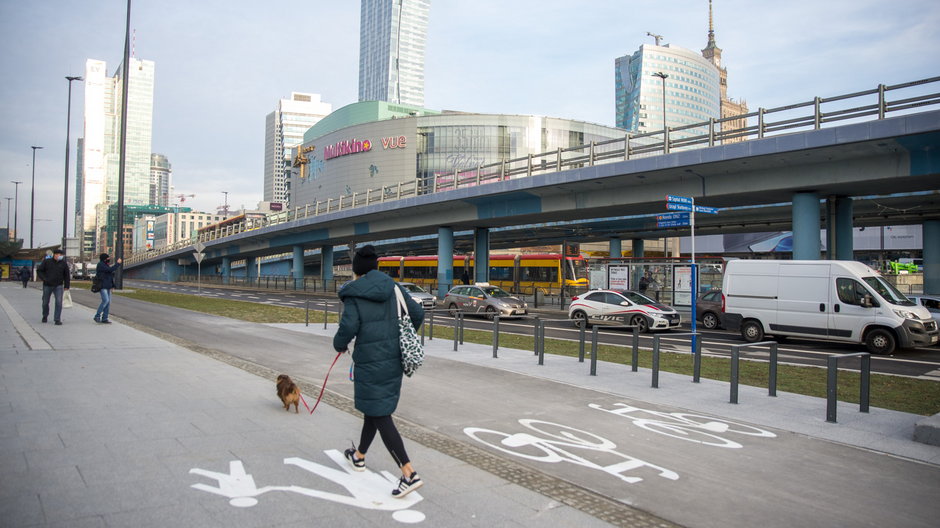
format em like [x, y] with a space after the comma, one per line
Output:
[906, 314]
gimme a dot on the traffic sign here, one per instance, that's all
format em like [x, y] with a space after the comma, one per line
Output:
[672, 216]
[706, 210]
[678, 199]
[199, 256]
[199, 246]
[672, 223]
[673, 206]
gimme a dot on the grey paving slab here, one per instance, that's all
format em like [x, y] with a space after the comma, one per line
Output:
[126, 416]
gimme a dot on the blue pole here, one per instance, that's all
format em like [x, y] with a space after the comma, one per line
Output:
[445, 260]
[481, 254]
[298, 267]
[806, 226]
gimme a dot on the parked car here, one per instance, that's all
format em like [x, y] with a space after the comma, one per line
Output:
[483, 298]
[708, 309]
[930, 302]
[622, 308]
[420, 296]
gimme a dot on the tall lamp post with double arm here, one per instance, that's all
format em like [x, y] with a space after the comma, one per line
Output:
[32, 200]
[16, 207]
[68, 129]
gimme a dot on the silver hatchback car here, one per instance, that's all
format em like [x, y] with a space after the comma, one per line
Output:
[483, 298]
[422, 297]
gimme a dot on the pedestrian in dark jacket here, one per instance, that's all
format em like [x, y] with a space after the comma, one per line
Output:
[370, 315]
[55, 277]
[25, 275]
[104, 273]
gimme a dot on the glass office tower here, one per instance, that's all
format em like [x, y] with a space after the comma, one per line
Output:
[692, 89]
[101, 144]
[392, 38]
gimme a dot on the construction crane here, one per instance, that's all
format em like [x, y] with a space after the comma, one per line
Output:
[655, 36]
[182, 197]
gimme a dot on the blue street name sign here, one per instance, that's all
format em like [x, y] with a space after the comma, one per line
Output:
[678, 206]
[672, 223]
[678, 199]
[706, 210]
[672, 216]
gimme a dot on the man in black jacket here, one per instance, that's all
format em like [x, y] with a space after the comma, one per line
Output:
[55, 277]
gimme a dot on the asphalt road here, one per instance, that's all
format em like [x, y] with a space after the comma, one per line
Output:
[921, 362]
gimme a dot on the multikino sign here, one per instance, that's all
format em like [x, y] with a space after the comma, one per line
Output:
[344, 148]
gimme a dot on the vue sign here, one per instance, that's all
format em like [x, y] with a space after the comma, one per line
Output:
[394, 142]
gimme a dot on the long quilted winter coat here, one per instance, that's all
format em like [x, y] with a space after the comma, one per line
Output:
[370, 316]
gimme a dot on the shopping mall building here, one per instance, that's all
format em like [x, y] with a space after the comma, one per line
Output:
[372, 144]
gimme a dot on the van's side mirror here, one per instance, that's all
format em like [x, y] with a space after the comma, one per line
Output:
[866, 301]
[625, 303]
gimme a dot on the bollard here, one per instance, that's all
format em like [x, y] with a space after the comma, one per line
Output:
[307, 313]
[495, 334]
[635, 360]
[735, 356]
[735, 371]
[832, 378]
[697, 359]
[423, 328]
[461, 327]
[656, 361]
[581, 342]
[456, 331]
[535, 337]
[594, 335]
[540, 337]
[324, 314]
[431, 330]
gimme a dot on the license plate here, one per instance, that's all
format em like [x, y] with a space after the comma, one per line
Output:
[933, 339]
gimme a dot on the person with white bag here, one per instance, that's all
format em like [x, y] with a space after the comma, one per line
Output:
[56, 279]
[371, 317]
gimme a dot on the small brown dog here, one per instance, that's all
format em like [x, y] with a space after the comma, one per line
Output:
[288, 392]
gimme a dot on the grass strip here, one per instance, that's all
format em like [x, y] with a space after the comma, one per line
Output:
[911, 395]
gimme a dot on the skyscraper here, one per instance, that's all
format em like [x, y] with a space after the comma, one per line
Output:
[161, 173]
[692, 93]
[284, 129]
[100, 146]
[729, 107]
[392, 39]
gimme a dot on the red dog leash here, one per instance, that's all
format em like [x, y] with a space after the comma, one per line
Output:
[323, 388]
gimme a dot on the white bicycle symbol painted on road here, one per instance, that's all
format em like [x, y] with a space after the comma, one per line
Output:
[686, 426]
[555, 444]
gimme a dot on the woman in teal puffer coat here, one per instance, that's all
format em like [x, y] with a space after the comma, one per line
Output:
[370, 315]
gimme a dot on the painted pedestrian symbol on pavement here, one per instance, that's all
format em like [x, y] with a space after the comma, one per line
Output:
[367, 490]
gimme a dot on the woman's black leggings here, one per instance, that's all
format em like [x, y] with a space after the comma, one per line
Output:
[390, 437]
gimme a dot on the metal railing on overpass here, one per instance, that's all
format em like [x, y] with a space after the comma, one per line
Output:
[764, 122]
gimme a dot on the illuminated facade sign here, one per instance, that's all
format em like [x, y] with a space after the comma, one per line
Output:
[344, 148]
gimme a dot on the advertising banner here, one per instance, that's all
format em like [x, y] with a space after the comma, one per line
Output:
[618, 277]
[682, 284]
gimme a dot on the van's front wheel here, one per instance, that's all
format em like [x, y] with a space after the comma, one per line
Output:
[880, 341]
[752, 331]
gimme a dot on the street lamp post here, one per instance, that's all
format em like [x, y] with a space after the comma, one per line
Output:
[68, 129]
[32, 199]
[16, 206]
[8, 216]
[225, 207]
[663, 76]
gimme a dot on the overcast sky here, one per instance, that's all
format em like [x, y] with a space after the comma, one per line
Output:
[221, 66]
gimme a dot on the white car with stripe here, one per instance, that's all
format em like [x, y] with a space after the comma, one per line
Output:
[622, 308]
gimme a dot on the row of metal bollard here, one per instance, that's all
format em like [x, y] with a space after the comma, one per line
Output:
[736, 351]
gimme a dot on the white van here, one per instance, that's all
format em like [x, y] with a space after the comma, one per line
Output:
[836, 300]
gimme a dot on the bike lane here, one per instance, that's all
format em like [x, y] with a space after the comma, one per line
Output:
[693, 468]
